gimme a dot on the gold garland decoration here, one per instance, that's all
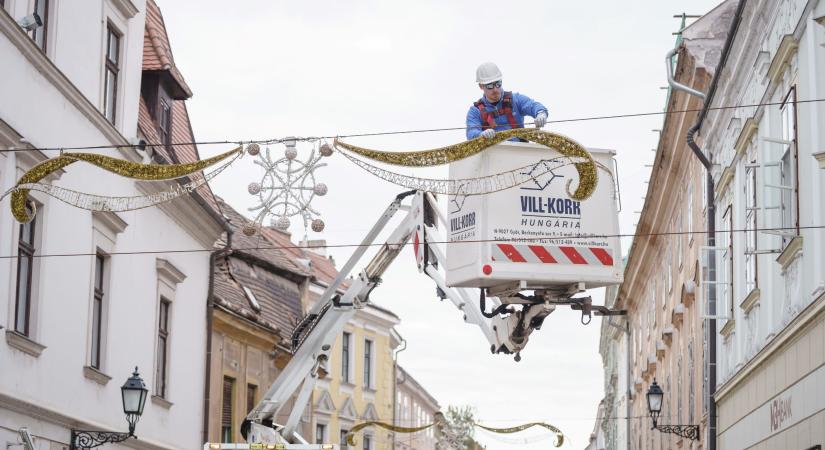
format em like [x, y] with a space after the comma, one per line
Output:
[147, 172]
[559, 435]
[588, 178]
[386, 426]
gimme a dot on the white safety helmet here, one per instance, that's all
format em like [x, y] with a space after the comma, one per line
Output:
[487, 73]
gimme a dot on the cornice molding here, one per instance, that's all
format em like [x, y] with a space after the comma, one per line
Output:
[782, 57]
[126, 7]
[750, 301]
[791, 252]
[24, 343]
[169, 272]
[749, 129]
[821, 158]
[113, 222]
[724, 180]
[96, 375]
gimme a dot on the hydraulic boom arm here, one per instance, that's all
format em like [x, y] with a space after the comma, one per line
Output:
[505, 329]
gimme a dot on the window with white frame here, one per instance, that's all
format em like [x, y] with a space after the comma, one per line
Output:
[651, 294]
[346, 343]
[725, 269]
[105, 228]
[751, 209]
[320, 433]
[788, 163]
[40, 34]
[367, 439]
[26, 246]
[368, 363]
[162, 354]
[112, 71]
[168, 279]
[99, 297]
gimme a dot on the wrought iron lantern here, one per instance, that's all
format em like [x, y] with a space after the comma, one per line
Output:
[133, 394]
[655, 396]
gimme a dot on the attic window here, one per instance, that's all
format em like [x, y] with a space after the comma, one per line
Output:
[251, 297]
[165, 123]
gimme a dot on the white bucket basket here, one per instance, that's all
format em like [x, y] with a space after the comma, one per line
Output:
[533, 233]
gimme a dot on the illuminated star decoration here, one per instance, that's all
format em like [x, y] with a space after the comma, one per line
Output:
[287, 188]
[542, 175]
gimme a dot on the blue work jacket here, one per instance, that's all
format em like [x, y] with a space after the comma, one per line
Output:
[522, 106]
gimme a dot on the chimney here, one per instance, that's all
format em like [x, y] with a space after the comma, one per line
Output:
[317, 246]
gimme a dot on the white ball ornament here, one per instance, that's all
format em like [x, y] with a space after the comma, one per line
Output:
[318, 225]
[253, 149]
[250, 229]
[254, 188]
[282, 223]
[320, 189]
[291, 153]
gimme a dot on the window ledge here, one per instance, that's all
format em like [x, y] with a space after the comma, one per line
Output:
[791, 252]
[162, 402]
[728, 328]
[750, 301]
[96, 375]
[23, 343]
[821, 158]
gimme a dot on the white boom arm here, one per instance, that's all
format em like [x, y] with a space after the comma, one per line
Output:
[314, 337]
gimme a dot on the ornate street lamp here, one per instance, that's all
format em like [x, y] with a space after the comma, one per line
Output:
[133, 393]
[654, 406]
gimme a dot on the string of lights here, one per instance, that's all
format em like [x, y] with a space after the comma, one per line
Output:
[379, 244]
[271, 141]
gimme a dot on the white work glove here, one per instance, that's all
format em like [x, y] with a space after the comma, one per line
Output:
[541, 119]
[489, 133]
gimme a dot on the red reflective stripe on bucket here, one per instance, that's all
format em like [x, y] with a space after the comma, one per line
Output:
[573, 255]
[542, 254]
[603, 256]
[511, 253]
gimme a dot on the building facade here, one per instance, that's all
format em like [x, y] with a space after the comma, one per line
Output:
[414, 407]
[76, 326]
[613, 348]
[359, 386]
[769, 178]
[665, 325]
[256, 301]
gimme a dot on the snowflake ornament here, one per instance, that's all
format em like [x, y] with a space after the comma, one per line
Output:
[287, 187]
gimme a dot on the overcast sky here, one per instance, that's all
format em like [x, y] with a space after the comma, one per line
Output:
[263, 68]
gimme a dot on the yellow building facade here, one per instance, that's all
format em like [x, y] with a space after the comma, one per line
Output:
[359, 386]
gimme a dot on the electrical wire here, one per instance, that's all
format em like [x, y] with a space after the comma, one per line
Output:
[473, 241]
[389, 133]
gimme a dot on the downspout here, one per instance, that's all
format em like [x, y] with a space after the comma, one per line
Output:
[226, 250]
[395, 384]
[711, 222]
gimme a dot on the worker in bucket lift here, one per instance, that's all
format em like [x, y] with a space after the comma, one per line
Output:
[498, 109]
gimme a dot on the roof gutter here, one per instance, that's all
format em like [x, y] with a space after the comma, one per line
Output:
[711, 215]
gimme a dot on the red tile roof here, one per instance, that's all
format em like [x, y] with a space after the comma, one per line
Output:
[157, 52]
[157, 55]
